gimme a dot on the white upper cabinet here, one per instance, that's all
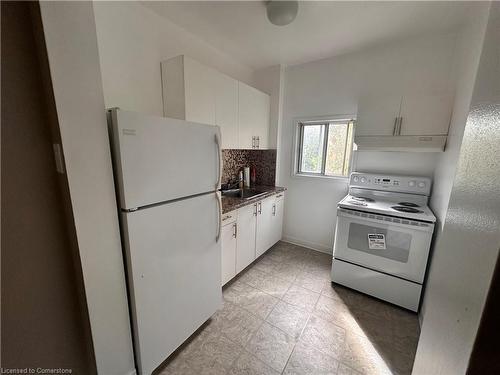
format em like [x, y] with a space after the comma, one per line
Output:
[409, 122]
[425, 114]
[254, 108]
[195, 92]
[377, 115]
[226, 109]
[188, 90]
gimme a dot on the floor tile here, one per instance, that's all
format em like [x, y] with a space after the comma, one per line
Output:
[362, 355]
[311, 281]
[288, 318]
[248, 364]
[324, 336]
[307, 360]
[346, 370]
[285, 309]
[250, 298]
[236, 323]
[301, 297]
[272, 346]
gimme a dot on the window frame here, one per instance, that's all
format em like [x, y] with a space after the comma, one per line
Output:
[299, 124]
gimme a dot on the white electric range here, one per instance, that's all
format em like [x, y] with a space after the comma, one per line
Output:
[383, 236]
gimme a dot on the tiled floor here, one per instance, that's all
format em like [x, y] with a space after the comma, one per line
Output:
[283, 315]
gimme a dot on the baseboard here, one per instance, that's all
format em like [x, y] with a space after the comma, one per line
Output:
[310, 245]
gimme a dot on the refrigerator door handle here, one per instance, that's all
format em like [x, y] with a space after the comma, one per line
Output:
[219, 216]
[219, 152]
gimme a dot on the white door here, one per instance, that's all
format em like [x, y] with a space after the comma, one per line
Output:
[228, 236]
[253, 117]
[277, 219]
[174, 273]
[245, 241]
[226, 109]
[426, 114]
[377, 115]
[264, 223]
[199, 91]
[160, 159]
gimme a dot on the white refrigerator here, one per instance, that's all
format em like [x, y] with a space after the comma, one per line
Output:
[167, 174]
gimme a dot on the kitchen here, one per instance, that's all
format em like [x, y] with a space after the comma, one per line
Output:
[304, 140]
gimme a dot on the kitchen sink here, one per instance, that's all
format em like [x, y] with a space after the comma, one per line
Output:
[243, 193]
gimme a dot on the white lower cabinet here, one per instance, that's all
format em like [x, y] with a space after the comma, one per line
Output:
[277, 218]
[245, 240]
[249, 232]
[263, 235]
[228, 234]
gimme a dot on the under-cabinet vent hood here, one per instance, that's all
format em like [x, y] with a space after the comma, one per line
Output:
[409, 143]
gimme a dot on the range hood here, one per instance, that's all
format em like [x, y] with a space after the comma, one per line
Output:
[408, 143]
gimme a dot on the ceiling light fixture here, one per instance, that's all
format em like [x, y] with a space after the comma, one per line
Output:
[281, 13]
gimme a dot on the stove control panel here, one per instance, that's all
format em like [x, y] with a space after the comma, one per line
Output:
[402, 184]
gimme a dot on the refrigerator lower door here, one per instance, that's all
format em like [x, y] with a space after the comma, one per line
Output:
[174, 274]
[160, 159]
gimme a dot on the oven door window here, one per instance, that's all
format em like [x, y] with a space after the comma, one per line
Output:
[397, 244]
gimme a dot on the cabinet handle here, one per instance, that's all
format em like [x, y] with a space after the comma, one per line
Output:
[235, 230]
[258, 142]
[260, 208]
[253, 142]
[255, 212]
[395, 129]
[274, 209]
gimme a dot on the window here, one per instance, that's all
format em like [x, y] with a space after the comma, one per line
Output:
[324, 147]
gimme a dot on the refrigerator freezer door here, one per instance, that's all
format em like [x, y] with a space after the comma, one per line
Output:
[174, 274]
[159, 159]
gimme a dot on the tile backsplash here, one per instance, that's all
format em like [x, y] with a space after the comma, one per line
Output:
[264, 162]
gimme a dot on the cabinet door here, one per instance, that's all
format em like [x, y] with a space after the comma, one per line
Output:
[226, 109]
[245, 240]
[199, 86]
[253, 117]
[426, 114]
[377, 115]
[228, 252]
[263, 113]
[277, 220]
[264, 222]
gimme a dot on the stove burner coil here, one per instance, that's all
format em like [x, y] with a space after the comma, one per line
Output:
[407, 209]
[408, 204]
[363, 199]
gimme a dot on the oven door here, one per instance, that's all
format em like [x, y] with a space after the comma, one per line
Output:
[391, 245]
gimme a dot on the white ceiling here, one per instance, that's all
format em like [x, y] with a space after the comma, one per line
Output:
[321, 29]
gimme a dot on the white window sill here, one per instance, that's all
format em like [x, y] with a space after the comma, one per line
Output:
[322, 177]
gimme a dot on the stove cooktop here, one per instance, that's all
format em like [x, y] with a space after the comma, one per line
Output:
[405, 210]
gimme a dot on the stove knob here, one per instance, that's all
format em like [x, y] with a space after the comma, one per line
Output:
[411, 183]
[363, 180]
[355, 178]
[421, 184]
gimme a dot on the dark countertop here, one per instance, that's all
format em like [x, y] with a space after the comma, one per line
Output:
[231, 203]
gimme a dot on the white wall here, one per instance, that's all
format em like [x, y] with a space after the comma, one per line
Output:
[466, 62]
[467, 250]
[333, 86]
[133, 40]
[71, 41]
